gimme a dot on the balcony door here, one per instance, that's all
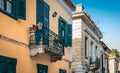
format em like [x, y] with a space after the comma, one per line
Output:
[42, 15]
[42, 68]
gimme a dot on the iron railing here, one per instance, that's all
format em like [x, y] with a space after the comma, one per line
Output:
[52, 43]
[94, 62]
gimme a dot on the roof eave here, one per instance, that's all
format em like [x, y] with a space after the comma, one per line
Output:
[70, 4]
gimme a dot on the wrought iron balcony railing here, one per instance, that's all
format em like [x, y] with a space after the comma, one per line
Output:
[46, 40]
[104, 70]
[94, 63]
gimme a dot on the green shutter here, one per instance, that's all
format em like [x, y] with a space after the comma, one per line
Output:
[42, 68]
[21, 9]
[59, 27]
[42, 15]
[46, 15]
[62, 71]
[46, 24]
[3, 67]
[68, 35]
[63, 25]
[39, 11]
[7, 65]
[11, 68]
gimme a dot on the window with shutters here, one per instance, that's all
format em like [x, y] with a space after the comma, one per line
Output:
[6, 6]
[62, 71]
[7, 65]
[13, 8]
[65, 31]
[69, 34]
[62, 24]
[42, 68]
[42, 15]
[62, 29]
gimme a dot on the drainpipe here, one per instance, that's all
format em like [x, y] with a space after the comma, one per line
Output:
[70, 63]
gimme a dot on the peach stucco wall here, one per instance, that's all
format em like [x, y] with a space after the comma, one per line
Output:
[19, 30]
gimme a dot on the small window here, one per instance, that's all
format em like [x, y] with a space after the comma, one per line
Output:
[7, 65]
[62, 24]
[91, 48]
[14, 8]
[42, 68]
[62, 71]
[65, 32]
[9, 6]
[86, 47]
[91, 52]
[62, 29]
[96, 50]
[2, 4]
[6, 6]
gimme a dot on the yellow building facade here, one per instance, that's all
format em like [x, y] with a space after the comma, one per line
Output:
[15, 36]
[113, 63]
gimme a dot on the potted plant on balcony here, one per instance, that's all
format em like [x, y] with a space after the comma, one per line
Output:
[39, 25]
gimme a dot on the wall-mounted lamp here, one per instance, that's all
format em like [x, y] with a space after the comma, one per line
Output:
[54, 14]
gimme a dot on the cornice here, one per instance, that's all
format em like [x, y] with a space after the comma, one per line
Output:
[13, 41]
[105, 46]
[65, 6]
[70, 4]
[89, 22]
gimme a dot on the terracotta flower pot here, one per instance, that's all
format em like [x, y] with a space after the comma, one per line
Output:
[39, 26]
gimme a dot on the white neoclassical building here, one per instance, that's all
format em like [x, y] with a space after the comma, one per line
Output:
[87, 48]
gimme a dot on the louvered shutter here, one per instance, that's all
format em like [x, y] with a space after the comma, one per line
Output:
[59, 27]
[46, 24]
[12, 65]
[68, 35]
[21, 9]
[39, 11]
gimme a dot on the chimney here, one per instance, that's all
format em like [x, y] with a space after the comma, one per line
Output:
[79, 8]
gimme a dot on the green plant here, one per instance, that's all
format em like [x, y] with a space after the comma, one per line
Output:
[116, 52]
[40, 23]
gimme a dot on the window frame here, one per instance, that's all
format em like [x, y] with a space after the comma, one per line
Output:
[62, 27]
[42, 67]
[15, 10]
[12, 14]
[10, 62]
[62, 70]
[86, 47]
[91, 51]
[64, 31]
[96, 50]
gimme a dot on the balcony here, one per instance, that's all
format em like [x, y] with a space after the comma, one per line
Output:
[94, 63]
[46, 41]
[103, 70]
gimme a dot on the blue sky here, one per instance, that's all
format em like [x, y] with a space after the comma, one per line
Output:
[106, 14]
